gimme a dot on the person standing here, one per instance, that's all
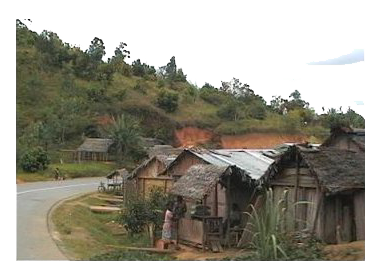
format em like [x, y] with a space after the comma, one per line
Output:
[168, 224]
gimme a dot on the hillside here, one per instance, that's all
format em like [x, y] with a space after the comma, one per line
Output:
[65, 94]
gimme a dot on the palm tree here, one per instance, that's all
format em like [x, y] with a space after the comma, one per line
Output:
[126, 138]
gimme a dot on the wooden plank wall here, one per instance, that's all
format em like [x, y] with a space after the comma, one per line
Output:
[339, 219]
[221, 202]
[191, 230]
[359, 214]
[184, 164]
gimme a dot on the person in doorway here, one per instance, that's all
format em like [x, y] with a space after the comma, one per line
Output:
[235, 216]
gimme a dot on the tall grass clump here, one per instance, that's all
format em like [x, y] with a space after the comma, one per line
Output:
[266, 225]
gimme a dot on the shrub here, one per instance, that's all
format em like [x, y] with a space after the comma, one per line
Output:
[145, 213]
[140, 86]
[167, 101]
[34, 160]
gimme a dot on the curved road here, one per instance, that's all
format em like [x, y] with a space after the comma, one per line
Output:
[34, 201]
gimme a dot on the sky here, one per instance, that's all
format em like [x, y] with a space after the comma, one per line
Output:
[268, 46]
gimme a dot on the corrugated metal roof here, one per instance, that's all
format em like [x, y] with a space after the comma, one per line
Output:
[253, 161]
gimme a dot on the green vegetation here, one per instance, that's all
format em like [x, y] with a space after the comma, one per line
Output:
[65, 93]
[85, 234]
[34, 160]
[122, 255]
[69, 170]
[145, 214]
[273, 238]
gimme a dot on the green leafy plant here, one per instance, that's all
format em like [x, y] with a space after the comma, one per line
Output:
[145, 214]
[34, 160]
[266, 228]
[168, 101]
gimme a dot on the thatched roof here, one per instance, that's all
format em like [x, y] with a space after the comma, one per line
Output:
[198, 180]
[95, 145]
[165, 150]
[118, 172]
[336, 170]
[357, 135]
[165, 160]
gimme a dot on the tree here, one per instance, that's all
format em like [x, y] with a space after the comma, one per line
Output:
[232, 111]
[336, 118]
[278, 105]
[96, 50]
[118, 60]
[171, 68]
[296, 102]
[171, 73]
[125, 134]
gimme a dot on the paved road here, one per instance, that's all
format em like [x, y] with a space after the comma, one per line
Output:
[34, 201]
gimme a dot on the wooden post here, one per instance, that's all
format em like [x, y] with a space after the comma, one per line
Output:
[144, 188]
[296, 189]
[215, 202]
[228, 196]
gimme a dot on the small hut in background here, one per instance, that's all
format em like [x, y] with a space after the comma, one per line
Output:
[346, 138]
[332, 181]
[116, 180]
[93, 149]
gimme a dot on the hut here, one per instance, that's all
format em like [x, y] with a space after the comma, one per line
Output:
[215, 180]
[145, 177]
[346, 138]
[254, 162]
[116, 179]
[332, 183]
[95, 149]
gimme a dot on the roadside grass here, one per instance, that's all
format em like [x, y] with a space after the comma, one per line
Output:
[85, 235]
[69, 170]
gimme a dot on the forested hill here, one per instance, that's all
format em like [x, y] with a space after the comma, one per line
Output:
[65, 93]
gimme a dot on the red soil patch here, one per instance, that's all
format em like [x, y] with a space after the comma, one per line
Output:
[259, 140]
[193, 136]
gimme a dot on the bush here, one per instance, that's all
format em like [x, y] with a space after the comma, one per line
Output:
[145, 213]
[167, 101]
[34, 160]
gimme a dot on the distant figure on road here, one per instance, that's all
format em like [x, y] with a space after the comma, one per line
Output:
[57, 174]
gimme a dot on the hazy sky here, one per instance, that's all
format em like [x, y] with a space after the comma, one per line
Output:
[267, 46]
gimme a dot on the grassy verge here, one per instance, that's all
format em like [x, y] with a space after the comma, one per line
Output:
[85, 235]
[70, 170]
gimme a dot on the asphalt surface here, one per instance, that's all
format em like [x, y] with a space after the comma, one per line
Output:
[34, 201]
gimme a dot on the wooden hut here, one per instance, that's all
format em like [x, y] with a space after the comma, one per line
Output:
[346, 138]
[217, 179]
[332, 182]
[96, 149]
[116, 179]
[146, 177]
[254, 162]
